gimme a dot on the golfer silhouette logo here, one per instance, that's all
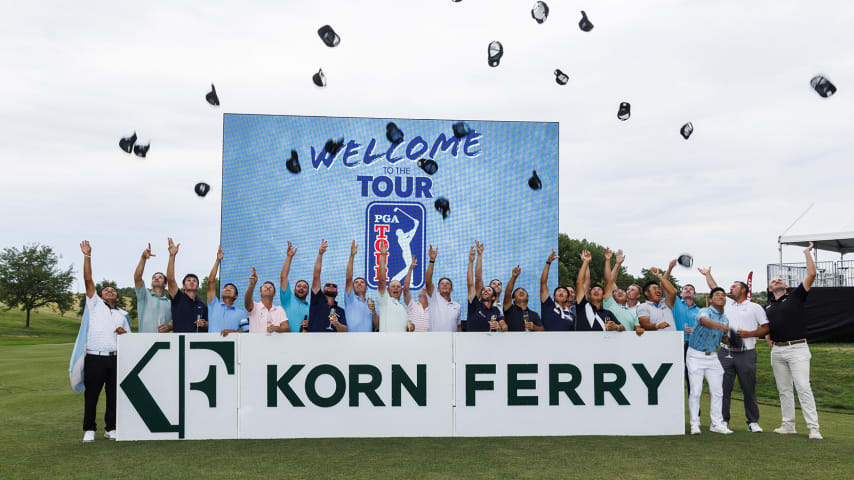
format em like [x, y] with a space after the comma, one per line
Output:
[404, 242]
[400, 225]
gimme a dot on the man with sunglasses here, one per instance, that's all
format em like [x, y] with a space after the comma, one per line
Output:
[293, 300]
[324, 314]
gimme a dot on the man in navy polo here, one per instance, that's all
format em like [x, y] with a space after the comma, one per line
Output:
[557, 311]
[189, 313]
[324, 314]
[483, 315]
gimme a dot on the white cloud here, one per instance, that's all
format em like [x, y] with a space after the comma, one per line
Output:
[765, 146]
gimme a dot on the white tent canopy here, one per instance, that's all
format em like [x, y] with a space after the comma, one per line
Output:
[841, 242]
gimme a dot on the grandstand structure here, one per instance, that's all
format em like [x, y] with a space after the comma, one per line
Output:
[836, 273]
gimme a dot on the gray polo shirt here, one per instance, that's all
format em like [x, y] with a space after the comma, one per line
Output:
[657, 313]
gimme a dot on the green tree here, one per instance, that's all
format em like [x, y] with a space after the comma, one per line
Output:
[570, 249]
[30, 278]
[120, 301]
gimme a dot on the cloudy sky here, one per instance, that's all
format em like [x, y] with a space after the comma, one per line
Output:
[765, 146]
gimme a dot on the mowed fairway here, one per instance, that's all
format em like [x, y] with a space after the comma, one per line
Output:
[41, 432]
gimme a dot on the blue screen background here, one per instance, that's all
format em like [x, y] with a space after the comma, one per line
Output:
[264, 205]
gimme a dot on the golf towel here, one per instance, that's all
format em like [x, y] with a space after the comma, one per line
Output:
[78, 355]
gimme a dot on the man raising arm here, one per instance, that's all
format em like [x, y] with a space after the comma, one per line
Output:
[418, 317]
[627, 318]
[325, 315]
[293, 301]
[556, 310]
[106, 322]
[444, 313]
[189, 314]
[482, 314]
[790, 355]
[392, 312]
[224, 315]
[359, 314]
[264, 316]
[154, 307]
[655, 314]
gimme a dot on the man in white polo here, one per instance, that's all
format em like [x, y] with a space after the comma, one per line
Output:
[106, 323]
[392, 312]
[749, 321]
[417, 311]
[444, 312]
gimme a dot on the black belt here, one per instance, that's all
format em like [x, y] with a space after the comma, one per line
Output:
[789, 343]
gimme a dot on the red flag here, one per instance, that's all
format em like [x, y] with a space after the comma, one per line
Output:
[750, 285]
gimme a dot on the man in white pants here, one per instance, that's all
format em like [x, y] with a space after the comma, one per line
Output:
[790, 355]
[702, 361]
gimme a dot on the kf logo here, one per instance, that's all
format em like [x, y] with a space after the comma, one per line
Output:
[142, 400]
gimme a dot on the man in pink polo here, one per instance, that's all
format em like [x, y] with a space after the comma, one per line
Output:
[263, 315]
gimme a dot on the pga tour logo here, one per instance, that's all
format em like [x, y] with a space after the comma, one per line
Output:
[400, 225]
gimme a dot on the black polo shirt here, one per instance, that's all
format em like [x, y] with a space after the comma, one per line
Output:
[318, 313]
[513, 318]
[557, 318]
[582, 322]
[185, 312]
[786, 315]
[478, 316]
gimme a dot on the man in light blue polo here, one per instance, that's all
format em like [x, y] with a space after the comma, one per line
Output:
[293, 301]
[224, 316]
[702, 361]
[360, 317]
[154, 307]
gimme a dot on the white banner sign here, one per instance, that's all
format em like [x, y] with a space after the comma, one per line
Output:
[196, 386]
[569, 383]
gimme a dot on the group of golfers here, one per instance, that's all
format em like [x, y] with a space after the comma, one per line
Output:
[719, 340]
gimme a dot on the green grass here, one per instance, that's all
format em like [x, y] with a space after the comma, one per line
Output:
[41, 431]
[830, 371]
[46, 326]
